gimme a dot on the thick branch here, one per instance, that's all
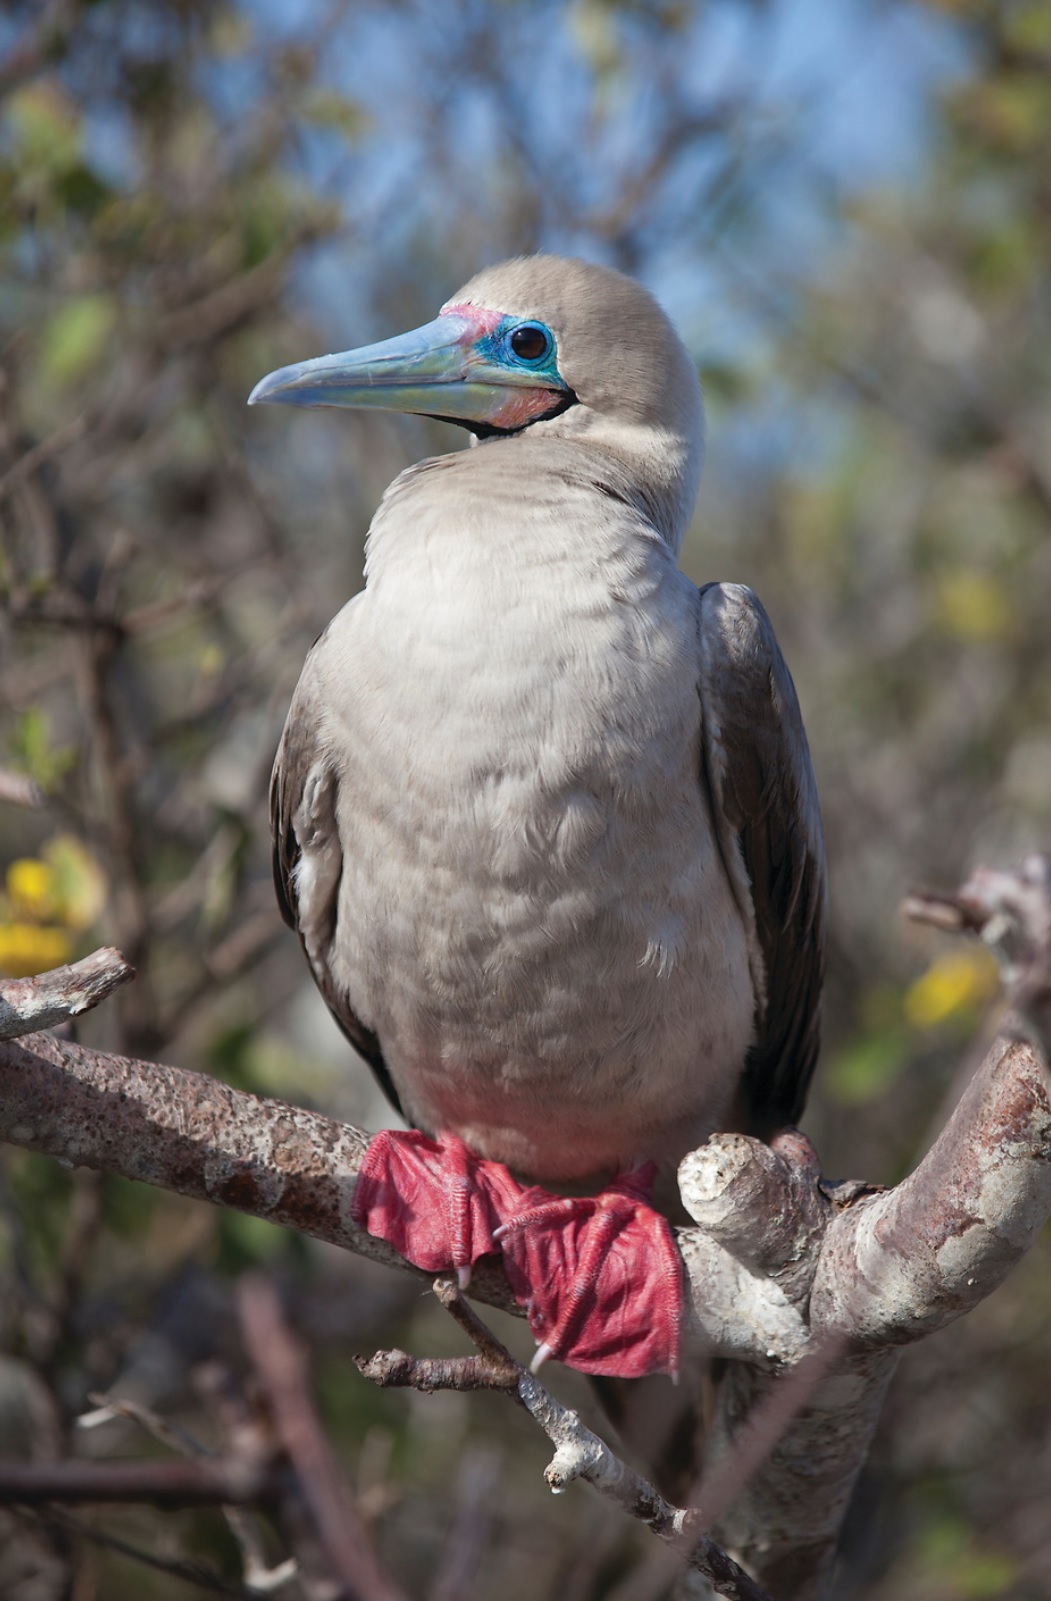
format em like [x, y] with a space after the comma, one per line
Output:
[186, 1132]
[874, 1272]
[898, 1265]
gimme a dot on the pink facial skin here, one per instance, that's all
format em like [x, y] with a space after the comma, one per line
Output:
[513, 404]
[482, 320]
[514, 408]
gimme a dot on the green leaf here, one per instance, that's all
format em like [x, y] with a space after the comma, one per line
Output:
[75, 338]
[863, 1071]
[45, 129]
[34, 752]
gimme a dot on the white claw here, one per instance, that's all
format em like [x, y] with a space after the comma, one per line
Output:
[543, 1351]
[463, 1275]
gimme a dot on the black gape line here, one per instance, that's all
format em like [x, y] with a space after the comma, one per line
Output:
[486, 430]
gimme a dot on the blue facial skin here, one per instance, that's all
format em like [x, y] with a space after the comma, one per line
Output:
[495, 347]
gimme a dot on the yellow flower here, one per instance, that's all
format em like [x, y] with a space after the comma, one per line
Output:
[28, 948]
[49, 901]
[958, 983]
[31, 887]
[974, 607]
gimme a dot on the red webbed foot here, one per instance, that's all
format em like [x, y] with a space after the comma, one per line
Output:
[599, 1275]
[435, 1201]
[604, 1278]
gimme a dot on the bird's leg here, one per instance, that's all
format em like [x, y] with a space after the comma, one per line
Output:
[599, 1275]
[456, 1193]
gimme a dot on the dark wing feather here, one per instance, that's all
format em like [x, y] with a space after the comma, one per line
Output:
[757, 764]
[303, 789]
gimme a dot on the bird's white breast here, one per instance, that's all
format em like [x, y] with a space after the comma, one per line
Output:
[533, 914]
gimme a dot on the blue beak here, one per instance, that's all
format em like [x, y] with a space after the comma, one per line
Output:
[449, 368]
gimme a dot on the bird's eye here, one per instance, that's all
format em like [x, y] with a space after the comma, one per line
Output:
[530, 342]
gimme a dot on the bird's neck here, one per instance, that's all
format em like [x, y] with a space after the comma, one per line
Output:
[505, 528]
[661, 471]
[537, 484]
[656, 467]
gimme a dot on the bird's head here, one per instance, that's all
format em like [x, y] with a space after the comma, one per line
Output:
[543, 343]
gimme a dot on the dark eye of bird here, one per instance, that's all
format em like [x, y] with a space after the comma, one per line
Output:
[530, 342]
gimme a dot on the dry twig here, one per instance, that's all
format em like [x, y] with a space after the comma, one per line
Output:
[28, 1004]
[579, 1453]
[258, 1574]
[194, 1573]
[281, 1366]
[170, 1484]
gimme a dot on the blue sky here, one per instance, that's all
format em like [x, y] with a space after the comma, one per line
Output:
[846, 86]
[837, 98]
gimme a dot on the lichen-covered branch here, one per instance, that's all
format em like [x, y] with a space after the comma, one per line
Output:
[875, 1270]
[868, 1272]
[185, 1132]
[189, 1133]
[897, 1265]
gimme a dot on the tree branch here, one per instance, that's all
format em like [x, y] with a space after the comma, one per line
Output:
[579, 1453]
[811, 1289]
[281, 1366]
[29, 1004]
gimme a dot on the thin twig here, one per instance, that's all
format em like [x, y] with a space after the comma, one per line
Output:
[1011, 912]
[50, 1331]
[122, 827]
[172, 1484]
[178, 1439]
[194, 1573]
[579, 1453]
[257, 1571]
[38, 454]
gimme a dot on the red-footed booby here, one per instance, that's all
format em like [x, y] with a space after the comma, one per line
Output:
[544, 814]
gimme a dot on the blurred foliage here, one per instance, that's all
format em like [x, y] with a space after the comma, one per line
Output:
[957, 986]
[193, 193]
[50, 902]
